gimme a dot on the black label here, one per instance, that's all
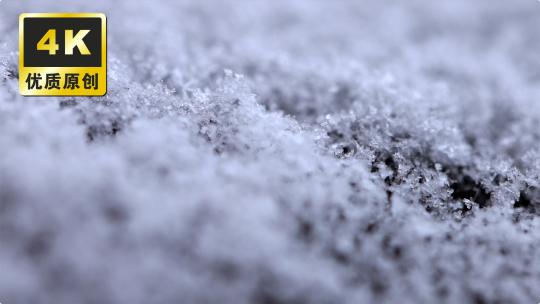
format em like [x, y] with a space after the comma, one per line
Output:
[36, 28]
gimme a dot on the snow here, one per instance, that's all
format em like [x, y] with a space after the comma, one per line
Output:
[280, 152]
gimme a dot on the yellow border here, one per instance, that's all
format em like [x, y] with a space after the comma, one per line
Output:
[79, 92]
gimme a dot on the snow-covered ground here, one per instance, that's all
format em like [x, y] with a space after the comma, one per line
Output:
[280, 151]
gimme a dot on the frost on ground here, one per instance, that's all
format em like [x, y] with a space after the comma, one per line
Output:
[280, 152]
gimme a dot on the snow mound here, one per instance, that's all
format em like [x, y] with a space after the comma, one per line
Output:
[280, 152]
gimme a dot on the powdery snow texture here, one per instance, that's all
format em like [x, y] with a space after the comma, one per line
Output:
[280, 152]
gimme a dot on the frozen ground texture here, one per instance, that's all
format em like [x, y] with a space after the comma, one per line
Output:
[280, 152]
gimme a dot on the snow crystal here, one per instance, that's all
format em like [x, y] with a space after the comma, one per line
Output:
[280, 152]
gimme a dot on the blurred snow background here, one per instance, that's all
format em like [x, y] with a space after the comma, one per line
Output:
[280, 152]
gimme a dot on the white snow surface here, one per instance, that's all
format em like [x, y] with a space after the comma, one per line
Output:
[284, 151]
